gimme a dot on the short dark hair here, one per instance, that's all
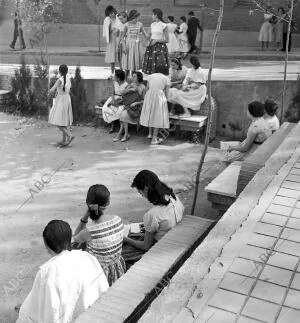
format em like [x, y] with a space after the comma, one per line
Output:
[191, 13]
[157, 190]
[271, 107]
[194, 60]
[100, 195]
[162, 69]
[177, 61]
[120, 74]
[158, 13]
[57, 236]
[256, 109]
[109, 10]
[139, 76]
[171, 18]
[183, 18]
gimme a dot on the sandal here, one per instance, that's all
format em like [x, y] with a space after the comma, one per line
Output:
[116, 139]
[156, 142]
[125, 138]
[66, 144]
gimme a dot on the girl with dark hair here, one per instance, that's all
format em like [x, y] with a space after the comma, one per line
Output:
[132, 46]
[61, 114]
[193, 91]
[110, 33]
[177, 73]
[166, 213]
[133, 100]
[67, 284]
[157, 52]
[258, 131]
[183, 42]
[122, 54]
[271, 108]
[104, 237]
[173, 42]
[154, 113]
[113, 106]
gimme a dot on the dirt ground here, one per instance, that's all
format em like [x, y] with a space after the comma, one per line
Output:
[40, 182]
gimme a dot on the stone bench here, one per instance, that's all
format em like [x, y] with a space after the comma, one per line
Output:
[129, 297]
[228, 185]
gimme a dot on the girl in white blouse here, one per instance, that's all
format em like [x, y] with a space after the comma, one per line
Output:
[157, 52]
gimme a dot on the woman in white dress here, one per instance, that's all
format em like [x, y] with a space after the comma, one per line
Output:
[173, 42]
[183, 41]
[193, 92]
[113, 106]
[154, 113]
[266, 33]
[66, 285]
[61, 114]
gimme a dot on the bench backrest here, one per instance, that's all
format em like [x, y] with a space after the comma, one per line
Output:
[254, 162]
[128, 298]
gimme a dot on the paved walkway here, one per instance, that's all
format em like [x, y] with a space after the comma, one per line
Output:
[247, 53]
[248, 268]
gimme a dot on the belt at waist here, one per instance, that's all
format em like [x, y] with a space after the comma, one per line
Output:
[257, 143]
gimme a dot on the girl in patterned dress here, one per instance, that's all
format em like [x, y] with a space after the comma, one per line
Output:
[132, 47]
[157, 52]
[122, 55]
[110, 33]
[104, 237]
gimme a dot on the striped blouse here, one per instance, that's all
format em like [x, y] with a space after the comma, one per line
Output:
[107, 240]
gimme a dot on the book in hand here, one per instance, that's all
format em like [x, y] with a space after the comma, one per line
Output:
[134, 229]
[224, 145]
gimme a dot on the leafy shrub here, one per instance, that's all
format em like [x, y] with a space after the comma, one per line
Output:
[293, 112]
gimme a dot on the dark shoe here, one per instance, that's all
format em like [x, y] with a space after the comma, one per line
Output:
[11, 47]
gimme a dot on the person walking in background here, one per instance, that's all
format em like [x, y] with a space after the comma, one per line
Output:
[132, 46]
[61, 114]
[193, 26]
[279, 28]
[183, 38]
[157, 52]
[18, 32]
[266, 30]
[110, 33]
[155, 108]
[173, 42]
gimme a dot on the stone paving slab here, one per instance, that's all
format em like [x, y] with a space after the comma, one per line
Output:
[244, 269]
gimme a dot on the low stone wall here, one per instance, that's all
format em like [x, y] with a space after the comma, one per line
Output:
[232, 98]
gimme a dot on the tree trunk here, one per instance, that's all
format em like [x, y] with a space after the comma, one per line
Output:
[286, 60]
[48, 62]
[209, 121]
[99, 29]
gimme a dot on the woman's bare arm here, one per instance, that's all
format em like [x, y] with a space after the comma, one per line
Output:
[143, 245]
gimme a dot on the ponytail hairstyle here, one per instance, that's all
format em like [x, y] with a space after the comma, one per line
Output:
[97, 196]
[63, 70]
[156, 190]
[194, 60]
[158, 13]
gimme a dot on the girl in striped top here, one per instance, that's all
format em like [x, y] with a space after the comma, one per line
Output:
[104, 237]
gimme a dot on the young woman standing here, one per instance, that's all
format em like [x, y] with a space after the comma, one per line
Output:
[157, 52]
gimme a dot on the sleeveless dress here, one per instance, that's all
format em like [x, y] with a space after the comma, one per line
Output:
[173, 42]
[134, 56]
[110, 32]
[61, 112]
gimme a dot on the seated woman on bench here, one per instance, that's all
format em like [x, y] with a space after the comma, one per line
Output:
[133, 97]
[64, 286]
[167, 211]
[258, 131]
[104, 237]
[177, 73]
[193, 92]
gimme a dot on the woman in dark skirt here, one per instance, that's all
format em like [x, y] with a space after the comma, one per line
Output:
[157, 52]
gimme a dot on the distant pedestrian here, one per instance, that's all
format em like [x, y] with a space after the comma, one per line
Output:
[18, 32]
[61, 114]
[183, 41]
[266, 31]
[157, 52]
[279, 28]
[193, 26]
[110, 33]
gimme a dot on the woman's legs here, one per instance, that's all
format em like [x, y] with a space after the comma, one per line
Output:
[64, 136]
[267, 44]
[154, 137]
[262, 45]
[112, 66]
[119, 135]
[150, 133]
[126, 135]
[67, 138]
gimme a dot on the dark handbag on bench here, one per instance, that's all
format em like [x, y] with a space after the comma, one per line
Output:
[130, 98]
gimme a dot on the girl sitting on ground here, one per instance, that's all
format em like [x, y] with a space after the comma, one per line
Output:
[258, 132]
[104, 237]
[166, 212]
[61, 114]
[67, 284]
[271, 108]
[113, 107]
[155, 113]
[134, 95]
[193, 92]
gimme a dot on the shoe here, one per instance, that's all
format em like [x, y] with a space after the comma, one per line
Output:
[125, 138]
[149, 137]
[116, 139]
[112, 129]
[185, 115]
[11, 47]
[156, 141]
[66, 144]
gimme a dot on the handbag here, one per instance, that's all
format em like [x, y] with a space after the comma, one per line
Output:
[131, 97]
